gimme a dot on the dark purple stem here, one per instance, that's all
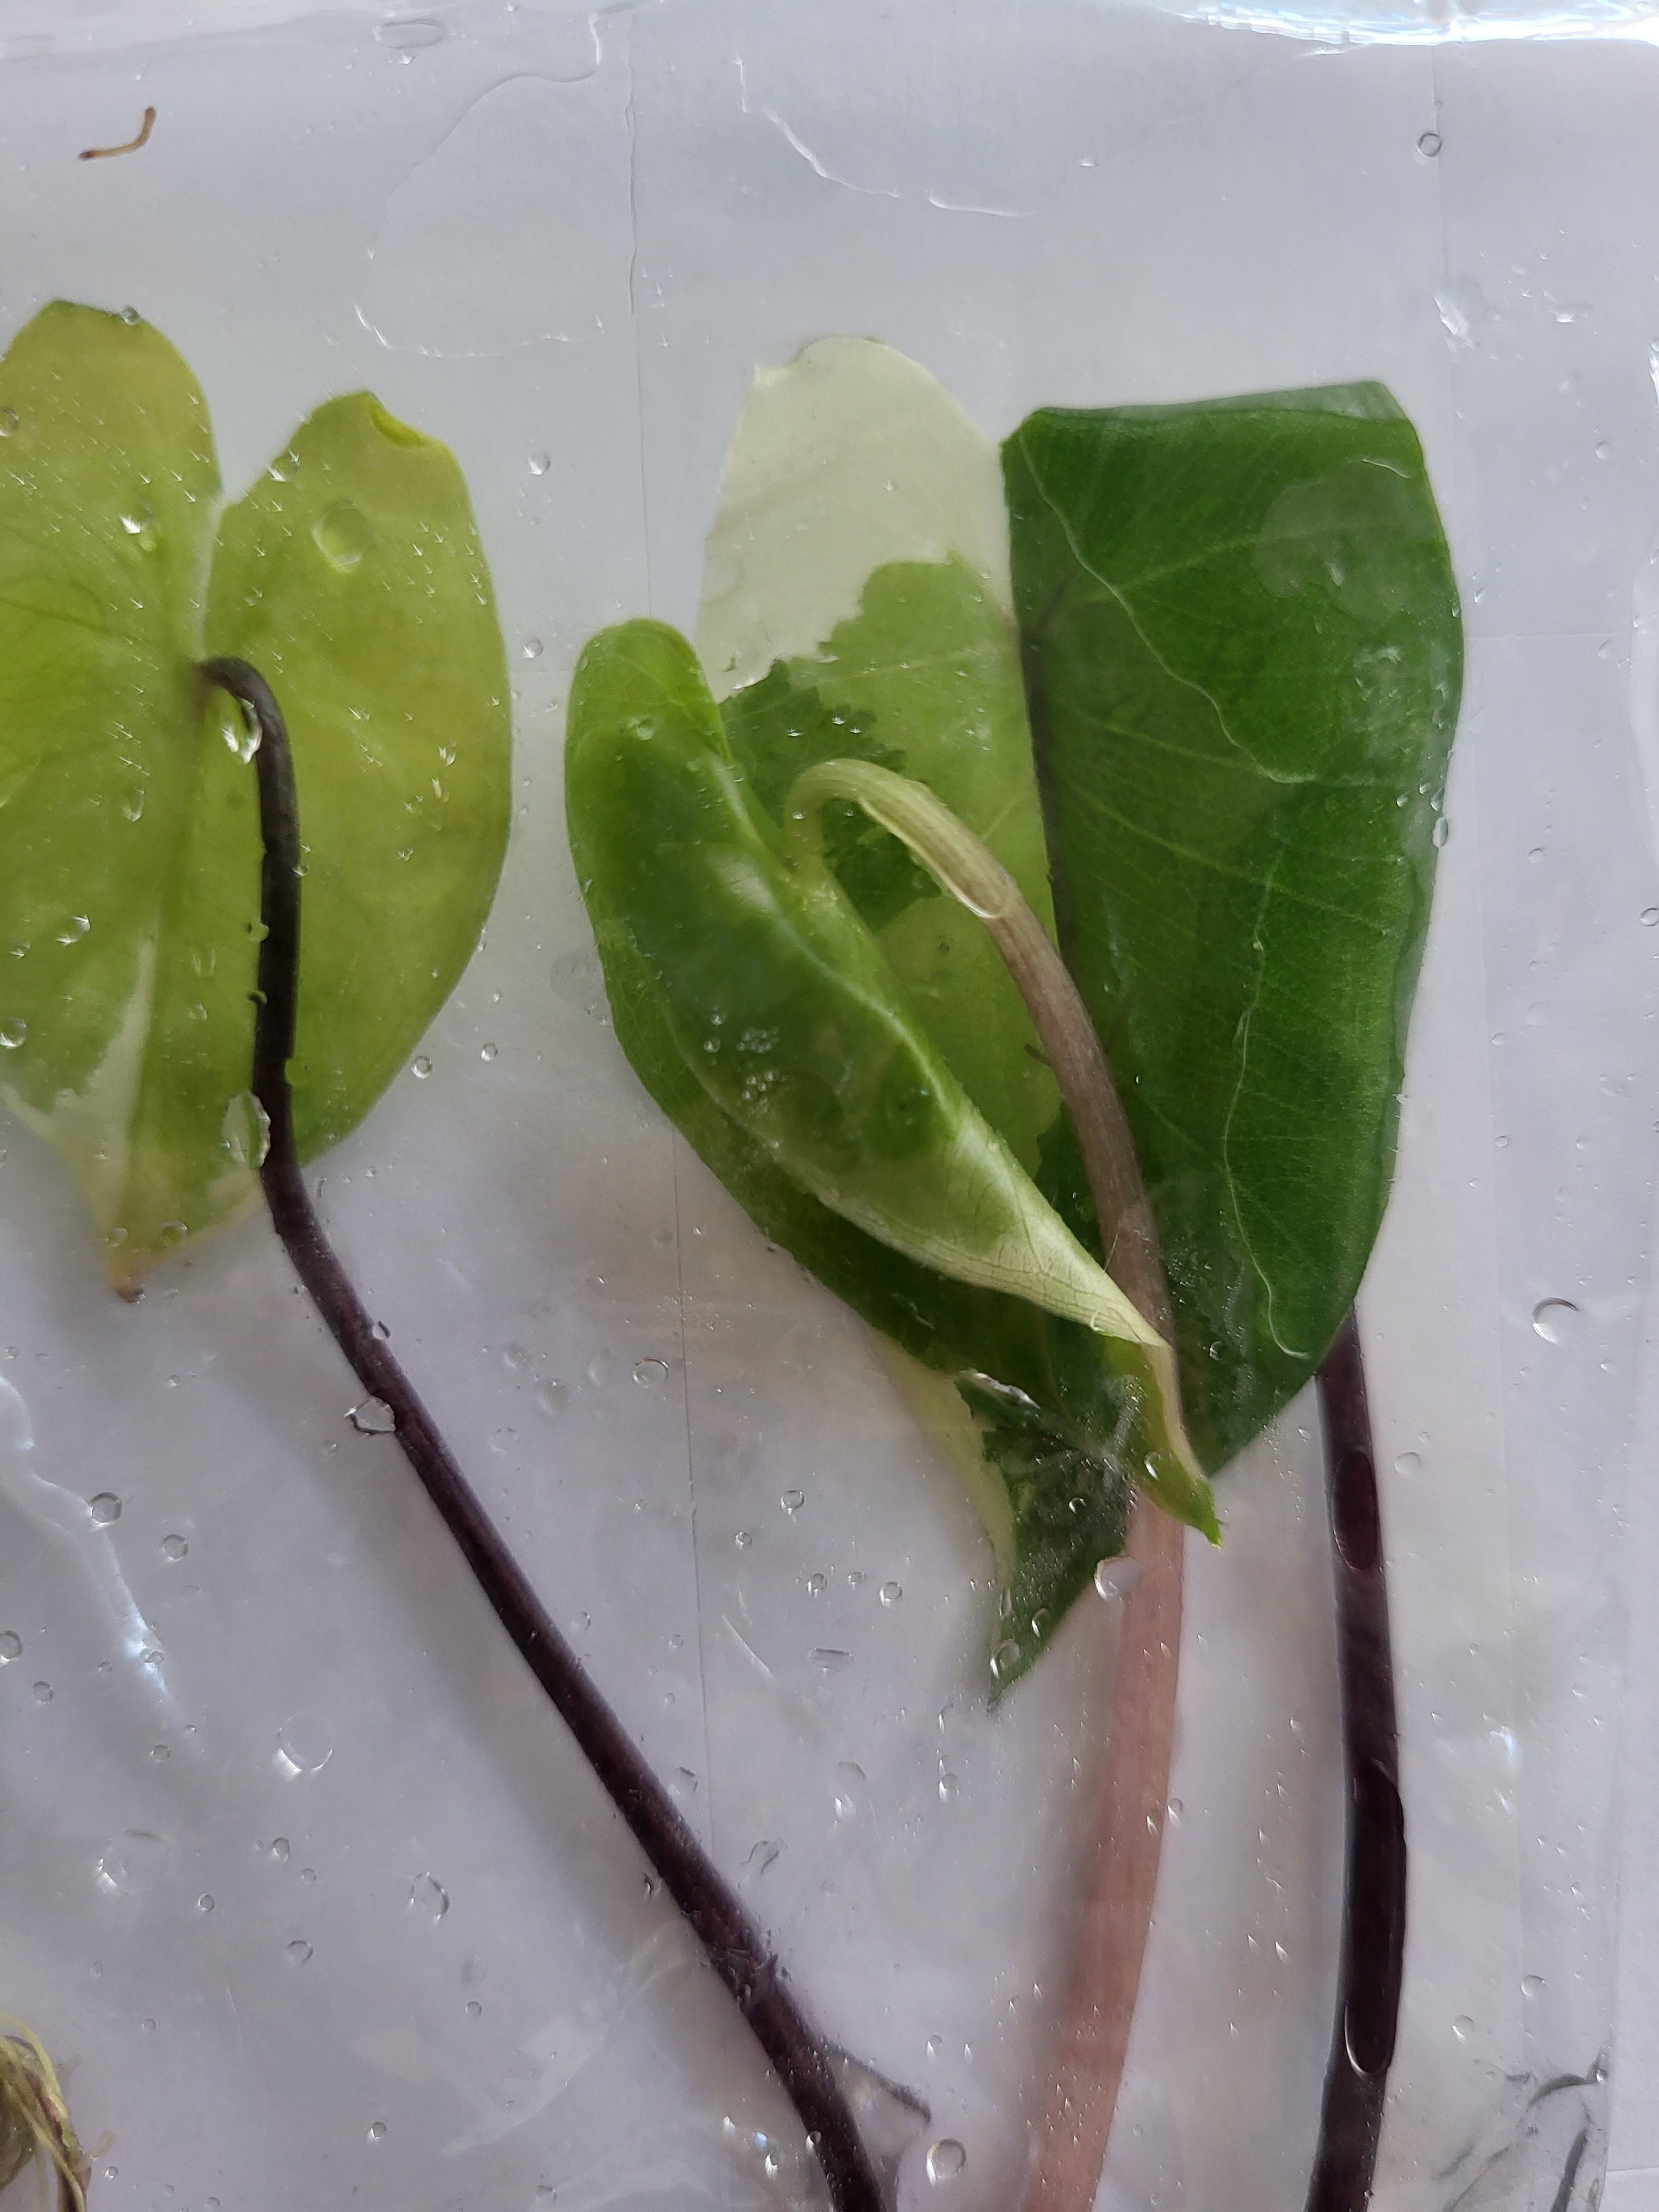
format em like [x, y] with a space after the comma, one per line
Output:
[736, 1949]
[1374, 1909]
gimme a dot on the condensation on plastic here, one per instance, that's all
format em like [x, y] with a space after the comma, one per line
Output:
[297, 1868]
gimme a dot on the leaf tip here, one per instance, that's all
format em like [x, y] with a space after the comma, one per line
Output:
[391, 427]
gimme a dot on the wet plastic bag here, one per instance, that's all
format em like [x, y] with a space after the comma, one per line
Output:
[299, 1872]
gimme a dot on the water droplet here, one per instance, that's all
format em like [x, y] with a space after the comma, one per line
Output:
[1428, 145]
[305, 1743]
[532, 648]
[815, 1585]
[278, 1850]
[831, 1660]
[1005, 1658]
[945, 2159]
[683, 1782]
[1463, 2027]
[72, 931]
[849, 1780]
[427, 1896]
[7, 422]
[1175, 1811]
[298, 1952]
[11, 1646]
[141, 525]
[1651, 917]
[13, 1033]
[1441, 831]
[130, 315]
[245, 1131]
[892, 1593]
[743, 1540]
[377, 2131]
[285, 467]
[598, 1367]
[133, 1863]
[551, 1395]
[1556, 1320]
[373, 1418]
[1116, 1578]
[650, 1374]
[421, 1067]
[1407, 1463]
[42, 1693]
[406, 34]
[132, 804]
[341, 536]
[1281, 1953]
[792, 1500]
[205, 1903]
[474, 2010]
[947, 1786]
[104, 1508]
[539, 464]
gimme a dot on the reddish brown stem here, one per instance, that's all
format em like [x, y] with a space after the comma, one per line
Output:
[1125, 1824]
[1132, 1788]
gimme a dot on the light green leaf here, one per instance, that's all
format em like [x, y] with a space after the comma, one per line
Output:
[766, 1020]
[856, 604]
[1245, 651]
[352, 577]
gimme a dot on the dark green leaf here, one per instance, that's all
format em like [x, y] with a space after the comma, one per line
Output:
[1244, 654]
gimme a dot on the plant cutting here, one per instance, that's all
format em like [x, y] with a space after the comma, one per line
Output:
[879, 1095]
[151, 830]
[1185, 679]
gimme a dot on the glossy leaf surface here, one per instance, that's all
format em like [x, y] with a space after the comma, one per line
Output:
[856, 604]
[1244, 654]
[351, 575]
[765, 1019]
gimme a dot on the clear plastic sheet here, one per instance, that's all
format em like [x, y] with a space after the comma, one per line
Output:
[297, 1869]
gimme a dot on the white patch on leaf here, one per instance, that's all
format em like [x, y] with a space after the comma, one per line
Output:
[860, 452]
[90, 1127]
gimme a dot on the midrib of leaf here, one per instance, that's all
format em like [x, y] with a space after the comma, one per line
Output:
[1226, 1165]
[188, 626]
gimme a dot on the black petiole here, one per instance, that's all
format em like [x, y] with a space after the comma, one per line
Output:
[735, 1946]
[1375, 1901]
[1374, 1906]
